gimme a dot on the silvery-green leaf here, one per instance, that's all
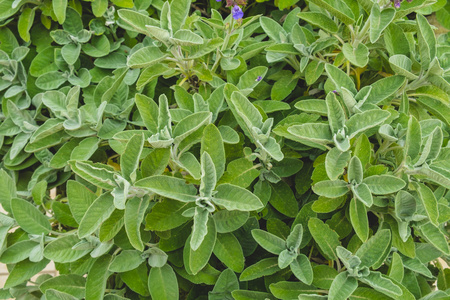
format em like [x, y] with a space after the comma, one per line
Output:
[212, 144]
[349, 260]
[127, 260]
[245, 112]
[363, 121]
[196, 260]
[233, 197]
[264, 267]
[190, 163]
[208, 178]
[163, 283]
[301, 267]
[137, 20]
[435, 237]
[316, 106]
[186, 38]
[98, 174]
[331, 188]
[96, 279]
[363, 194]
[268, 241]
[319, 19]
[315, 132]
[145, 57]
[158, 33]
[335, 113]
[401, 64]
[71, 52]
[358, 56]
[342, 287]
[340, 79]
[285, 258]
[294, 239]
[405, 205]
[427, 41]
[170, 187]
[190, 124]
[229, 251]
[382, 284]
[335, 162]
[157, 258]
[384, 184]
[371, 251]
[379, 20]
[326, 238]
[428, 201]
[178, 13]
[134, 215]
[98, 212]
[359, 219]
[29, 217]
[272, 148]
[384, 88]
[431, 148]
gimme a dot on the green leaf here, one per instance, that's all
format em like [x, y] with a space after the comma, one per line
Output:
[401, 65]
[199, 230]
[290, 289]
[129, 161]
[148, 110]
[379, 20]
[371, 251]
[137, 20]
[263, 267]
[29, 217]
[99, 211]
[427, 41]
[368, 119]
[301, 267]
[169, 187]
[268, 241]
[23, 271]
[336, 117]
[79, 198]
[179, 11]
[240, 172]
[323, 276]
[186, 38]
[145, 57]
[282, 199]
[283, 87]
[385, 88]
[163, 283]
[71, 52]
[363, 193]
[359, 219]
[396, 270]
[435, 237]
[436, 107]
[190, 124]
[358, 56]
[155, 162]
[229, 221]
[384, 184]
[167, 214]
[331, 188]
[59, 8]
[335, 162]
[382, 284]
[196, 260]
[134, 215]
[342, 287]
[98, 47]
[312, 72]
[326, 238]
[339, 79]
[7, 190]
[246, 114]
[17, 252]
[212, 143]
[233, 197]
[52, 294]
[68, 283]
[272, 29]
[60, 250]
[50, 80]
[97, 278]
[98, 174]
[337, 8]
[428, 201]
[229, 251]
[313, 132]
[320, 20]
[25, 22]
[225, 285]
[127, 260]
[250, 295]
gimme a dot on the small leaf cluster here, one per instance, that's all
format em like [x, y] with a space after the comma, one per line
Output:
[170, 150]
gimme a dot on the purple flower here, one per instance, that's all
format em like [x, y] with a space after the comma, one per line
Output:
[237, 12]
[259, 78]
[218, 0]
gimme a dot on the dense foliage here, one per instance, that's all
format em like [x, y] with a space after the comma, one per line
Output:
[225, 150]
